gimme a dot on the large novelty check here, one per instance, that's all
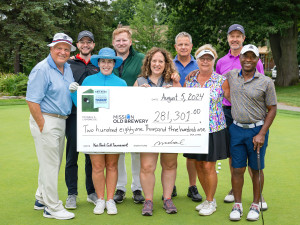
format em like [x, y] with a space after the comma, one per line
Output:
[139, 119]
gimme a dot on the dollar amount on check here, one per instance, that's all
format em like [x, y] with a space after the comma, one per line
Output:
[139, 119]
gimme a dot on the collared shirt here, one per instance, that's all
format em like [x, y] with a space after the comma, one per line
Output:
[217, 120]
[48, 87]
[250, 98]
[230, 62]
[184, 71]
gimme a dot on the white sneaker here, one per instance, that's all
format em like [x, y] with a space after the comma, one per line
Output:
[236, 213]
[253, 214]
[263, 206]
[100, 206]
[111, 207]
[59, 215]
[200, 206]
[208, 209]
[229, 198]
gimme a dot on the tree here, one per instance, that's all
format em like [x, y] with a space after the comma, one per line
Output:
[147, 32]
[28, 26]
[124, 11]
[25, 26]
[276, 20]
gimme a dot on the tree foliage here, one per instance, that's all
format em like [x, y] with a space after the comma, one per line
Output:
[28, 26]
[147, 31]
[276, 20]
[124, 11]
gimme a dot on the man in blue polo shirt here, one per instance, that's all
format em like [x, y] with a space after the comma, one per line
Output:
[185, 63]
[50, 103]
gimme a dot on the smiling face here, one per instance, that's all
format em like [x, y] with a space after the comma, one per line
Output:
[106, 66]
[85, 46]
[235, 39]
[60, 53]
[183, 46]
[248, 61]
[205, 63]
[122, 43]
[157, 64]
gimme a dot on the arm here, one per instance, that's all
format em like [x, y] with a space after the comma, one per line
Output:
[176, 78]
[35, 110]
[192, 73]
[259, 139]
[226, 90]
[135, 84]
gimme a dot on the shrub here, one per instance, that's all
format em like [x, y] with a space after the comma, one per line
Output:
[268, 73]
[13, 84]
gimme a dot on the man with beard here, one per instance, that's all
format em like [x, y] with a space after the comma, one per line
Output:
[254, 105]
[81, 68]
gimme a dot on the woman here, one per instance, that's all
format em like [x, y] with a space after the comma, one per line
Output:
[106, 60]
[158, 70]
[205, 77]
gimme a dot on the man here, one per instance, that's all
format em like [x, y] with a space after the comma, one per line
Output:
[235, 38]
[185, 63]
[254, 105]
[81, 68]
[129, 70]
[50, 103]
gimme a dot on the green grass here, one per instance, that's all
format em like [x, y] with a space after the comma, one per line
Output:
[6, 102]
[19, 171]
[289, 95]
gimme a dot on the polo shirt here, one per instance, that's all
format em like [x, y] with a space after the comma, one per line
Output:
[184, 71]
[49, 88]
[249, 99]
[230, 62]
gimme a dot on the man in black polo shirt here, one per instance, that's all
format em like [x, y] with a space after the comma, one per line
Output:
[81, 68]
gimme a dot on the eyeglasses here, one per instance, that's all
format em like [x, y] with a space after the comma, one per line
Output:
[85, 42]
[208, 59]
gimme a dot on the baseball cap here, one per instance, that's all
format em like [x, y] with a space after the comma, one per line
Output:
[236, 27]
[85, 33]
[250, 48]
[204, 52]
[61, 37]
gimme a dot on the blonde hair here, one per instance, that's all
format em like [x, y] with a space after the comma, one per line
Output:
[169, 65]
[121, 30]
[207, 47]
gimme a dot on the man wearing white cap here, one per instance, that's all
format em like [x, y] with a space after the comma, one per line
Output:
[50, 103]
[254, 104]
[235, 38]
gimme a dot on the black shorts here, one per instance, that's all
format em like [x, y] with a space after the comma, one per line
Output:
[218, 148]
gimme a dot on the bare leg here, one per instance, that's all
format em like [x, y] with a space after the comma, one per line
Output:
[237, 181]
[98, 164]
[147, 176]
[255, 181]
[168, 162]
[111, 164]
[191, 168]
[208, 178]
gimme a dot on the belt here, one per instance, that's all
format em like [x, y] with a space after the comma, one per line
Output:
[227, 106]
[249, 125]
[55, 115]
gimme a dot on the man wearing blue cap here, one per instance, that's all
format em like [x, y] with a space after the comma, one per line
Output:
[81, 67]
[235, 37]
[50, 103]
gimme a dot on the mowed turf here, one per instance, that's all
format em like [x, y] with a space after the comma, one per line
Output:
[19, 170]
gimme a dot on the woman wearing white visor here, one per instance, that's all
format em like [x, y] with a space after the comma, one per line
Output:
[218, 148]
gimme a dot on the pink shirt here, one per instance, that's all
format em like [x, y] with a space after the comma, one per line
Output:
[230, 62]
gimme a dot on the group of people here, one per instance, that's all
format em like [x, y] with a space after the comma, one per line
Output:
[242, 108]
